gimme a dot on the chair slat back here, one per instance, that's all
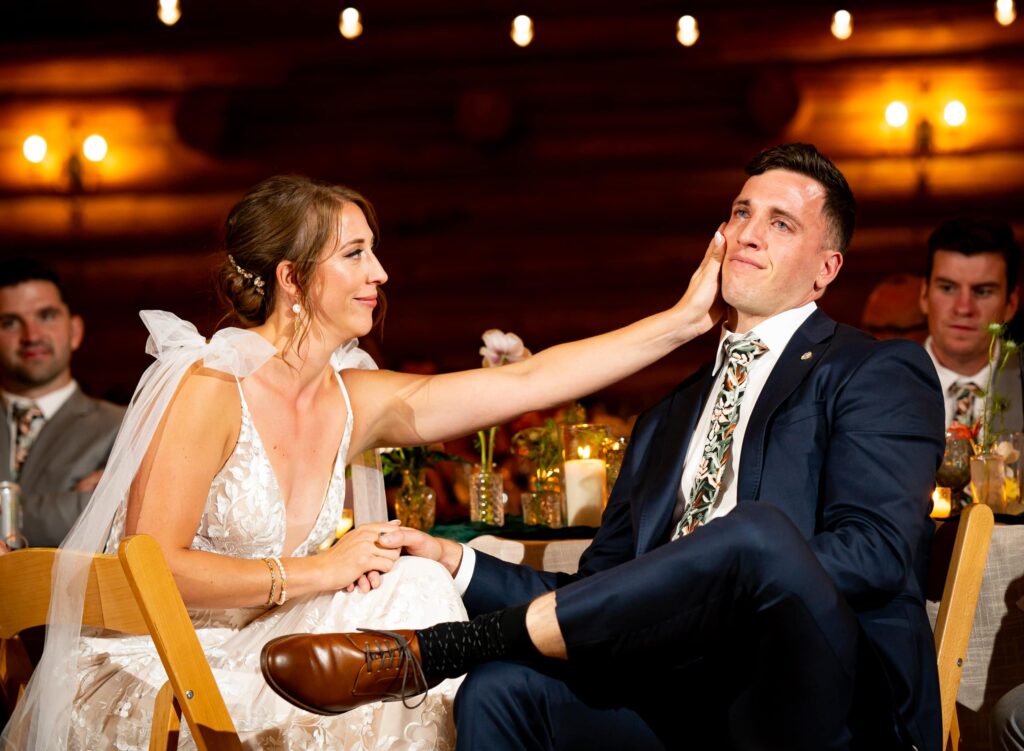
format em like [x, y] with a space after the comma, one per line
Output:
[959, 600]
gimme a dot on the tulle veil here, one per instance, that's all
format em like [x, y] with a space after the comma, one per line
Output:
[42, 719]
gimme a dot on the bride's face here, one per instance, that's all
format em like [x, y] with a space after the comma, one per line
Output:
[348, 276]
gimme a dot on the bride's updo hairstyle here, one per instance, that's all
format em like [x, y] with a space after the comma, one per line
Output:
[284, 218]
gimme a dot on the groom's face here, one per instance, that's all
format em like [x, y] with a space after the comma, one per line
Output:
[779, 255]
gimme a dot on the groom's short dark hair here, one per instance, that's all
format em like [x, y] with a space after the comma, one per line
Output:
[803, 158]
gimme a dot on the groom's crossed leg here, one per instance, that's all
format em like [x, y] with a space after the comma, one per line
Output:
[745, 586]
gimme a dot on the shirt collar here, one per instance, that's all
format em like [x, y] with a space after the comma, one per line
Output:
[948, 377]
[48, 403]
[774, 332]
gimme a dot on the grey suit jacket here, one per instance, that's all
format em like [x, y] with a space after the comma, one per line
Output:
[73, 443]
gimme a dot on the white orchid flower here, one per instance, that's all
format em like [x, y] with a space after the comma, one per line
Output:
[501, 348]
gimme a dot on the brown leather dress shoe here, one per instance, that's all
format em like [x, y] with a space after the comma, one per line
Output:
[332, 673]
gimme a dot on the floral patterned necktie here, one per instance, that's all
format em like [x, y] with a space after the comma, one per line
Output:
[724, 416]
[967, 394]
[28, 421]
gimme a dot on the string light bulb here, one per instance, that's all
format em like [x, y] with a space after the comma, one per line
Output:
[34, 149]
[687, 32]
[897, 114]
[955, 113]
[94, 148]
[1006, 12]
[169, 11]
[842, 24]
[522, 30]
[350, 24]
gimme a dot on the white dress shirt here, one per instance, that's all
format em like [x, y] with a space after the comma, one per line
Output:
[948, 377]
[775, 333]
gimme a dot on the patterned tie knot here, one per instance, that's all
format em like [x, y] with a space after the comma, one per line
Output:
[745, 350]
[25, 414]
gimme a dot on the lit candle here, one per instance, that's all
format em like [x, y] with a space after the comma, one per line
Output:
[584, 489]
[942, 503]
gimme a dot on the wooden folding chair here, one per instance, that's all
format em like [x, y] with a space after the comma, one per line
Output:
[132, 593]
[956, 610]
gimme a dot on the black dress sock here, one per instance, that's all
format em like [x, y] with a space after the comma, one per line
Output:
[448, 650]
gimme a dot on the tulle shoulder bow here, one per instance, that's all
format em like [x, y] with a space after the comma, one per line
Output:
[233, 350]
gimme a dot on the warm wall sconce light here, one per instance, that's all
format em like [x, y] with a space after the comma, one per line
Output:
[350, 24]
[522, 30]
[1006, 12]
[842, 24]
[955, 113]
[169, 12]
[687, 32]
[34, 149]
[897, 114]
[94, 148]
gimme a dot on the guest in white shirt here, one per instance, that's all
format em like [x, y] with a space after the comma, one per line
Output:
[57, 439]
[971, 282]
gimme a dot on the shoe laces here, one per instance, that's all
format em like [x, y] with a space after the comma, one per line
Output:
[413, 680]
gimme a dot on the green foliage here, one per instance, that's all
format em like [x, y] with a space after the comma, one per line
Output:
[542, 444]
[413, 459]
[1000, 349]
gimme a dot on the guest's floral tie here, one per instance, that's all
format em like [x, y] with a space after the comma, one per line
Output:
[28, 421]
[967, 394]
[724, 416]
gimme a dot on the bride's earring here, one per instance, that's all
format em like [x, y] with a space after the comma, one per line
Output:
[297, 309]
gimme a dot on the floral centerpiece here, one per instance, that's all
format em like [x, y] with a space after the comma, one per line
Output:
[486, 490]
[1000, 349]
[995, 472]
[415, 502]
[542, 446]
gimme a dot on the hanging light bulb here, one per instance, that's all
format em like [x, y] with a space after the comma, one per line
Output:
[842, 24]
[1006, 12]
[34, 149]
[897, 114]
[350, 24]
[94, 148]
[955, 113]
[687, 32]
[169, 12]
[522, 30]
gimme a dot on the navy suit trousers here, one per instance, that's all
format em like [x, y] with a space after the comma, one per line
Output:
[733, 637]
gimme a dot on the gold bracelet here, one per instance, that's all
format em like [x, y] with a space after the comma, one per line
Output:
[273, 581]
[282, 597]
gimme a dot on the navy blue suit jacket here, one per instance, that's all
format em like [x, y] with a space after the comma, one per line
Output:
[846, 442]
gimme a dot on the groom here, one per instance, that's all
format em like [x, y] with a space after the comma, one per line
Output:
[756, 582]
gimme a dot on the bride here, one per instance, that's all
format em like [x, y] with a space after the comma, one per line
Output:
[233, 456]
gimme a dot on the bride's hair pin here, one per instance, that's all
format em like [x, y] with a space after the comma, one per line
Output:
[257, 281]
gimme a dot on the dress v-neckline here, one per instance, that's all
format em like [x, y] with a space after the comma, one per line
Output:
[258, 441]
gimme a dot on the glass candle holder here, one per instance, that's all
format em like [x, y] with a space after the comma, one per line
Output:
[584, 476]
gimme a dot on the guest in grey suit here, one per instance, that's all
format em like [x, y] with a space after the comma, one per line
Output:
[971, 281]
[57, 439]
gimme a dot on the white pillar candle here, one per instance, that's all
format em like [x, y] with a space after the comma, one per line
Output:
[584, 491]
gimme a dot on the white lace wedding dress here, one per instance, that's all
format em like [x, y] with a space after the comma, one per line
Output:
[245, 517]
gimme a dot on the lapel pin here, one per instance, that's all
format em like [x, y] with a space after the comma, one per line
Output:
[805, 356]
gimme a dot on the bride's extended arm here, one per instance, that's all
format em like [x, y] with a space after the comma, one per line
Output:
[397, 409]
[195, 438]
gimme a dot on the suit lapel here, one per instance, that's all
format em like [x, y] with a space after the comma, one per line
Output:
[801, 355]
[660, 485]
[55, 429]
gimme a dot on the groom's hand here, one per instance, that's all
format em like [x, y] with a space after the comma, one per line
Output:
[415, 542]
